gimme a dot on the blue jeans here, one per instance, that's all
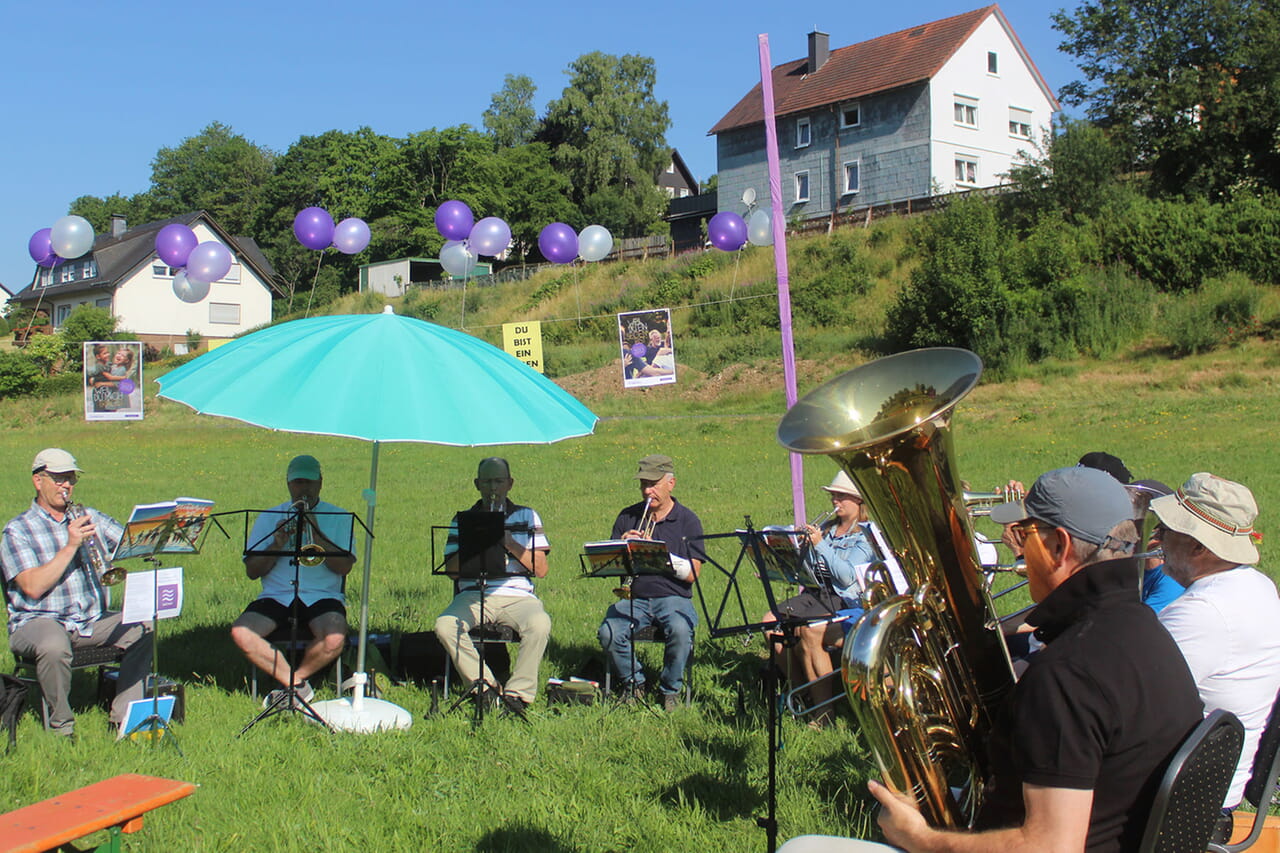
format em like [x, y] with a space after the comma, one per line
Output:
[673, 613]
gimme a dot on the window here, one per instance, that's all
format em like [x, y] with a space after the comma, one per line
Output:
[802, 186]
[850, 116]
[45, 278]
[804, 134]
[224, 312]
[67, 273]
[852, 177]
[232, 276]
[160, 269]
[1019, 123]
[61, 315]
[966, 113]
[966, 170]
[89, 269]
[102, 303]
[671, 168]
[993, 62]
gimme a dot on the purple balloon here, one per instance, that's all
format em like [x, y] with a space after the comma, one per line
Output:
[727, 231]
[174, 244]
[209, 261]
[351, 236]
[558, 243]
[454, 220]
[313, 226]
[40, 246]
[126, 386]
[50, 260]
[490, 236]
[638, 350]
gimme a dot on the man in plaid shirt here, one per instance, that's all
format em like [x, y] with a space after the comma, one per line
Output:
[56, 602]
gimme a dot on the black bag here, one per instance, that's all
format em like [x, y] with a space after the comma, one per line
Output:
[13, 698]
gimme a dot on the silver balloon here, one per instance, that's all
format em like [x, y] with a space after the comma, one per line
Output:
[71, 236]
[760, 229]
[594, 243]
[189, 289]
[457, 258]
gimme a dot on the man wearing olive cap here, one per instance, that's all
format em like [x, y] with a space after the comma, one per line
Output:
[1097, 715]
[656, 599]
[1225, 623]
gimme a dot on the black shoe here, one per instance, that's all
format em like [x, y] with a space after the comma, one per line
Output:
[514, 706]
[488, 698]
[633, 693]
[670, 701]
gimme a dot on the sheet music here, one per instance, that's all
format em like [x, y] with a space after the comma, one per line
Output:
[140, 601]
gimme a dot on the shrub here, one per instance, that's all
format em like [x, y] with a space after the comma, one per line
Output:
[85, 323]
[18, 374]
[1224, 312]
[1175, 245]
[47, 351]
[59, 383]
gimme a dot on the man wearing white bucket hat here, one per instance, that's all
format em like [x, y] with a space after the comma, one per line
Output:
[1225, 623]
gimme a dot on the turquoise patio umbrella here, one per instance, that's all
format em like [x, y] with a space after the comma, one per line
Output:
[377, 377]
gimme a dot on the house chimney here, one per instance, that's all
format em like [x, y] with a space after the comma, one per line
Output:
[819, 50]
[119, 225]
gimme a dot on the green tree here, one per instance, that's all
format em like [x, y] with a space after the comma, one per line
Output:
[85, 323]
[1075, 172]
[46, 351]
[1192, 88]
[511, 119]
[453, 163]
[218, 171]
[607, 132]
[135, 209]
[534, 194]
[19, 374]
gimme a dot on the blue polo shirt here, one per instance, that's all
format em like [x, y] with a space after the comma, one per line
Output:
[680, 524]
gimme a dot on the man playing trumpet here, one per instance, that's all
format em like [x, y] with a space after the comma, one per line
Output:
[57, 603]
[656, 599]
[320, 606]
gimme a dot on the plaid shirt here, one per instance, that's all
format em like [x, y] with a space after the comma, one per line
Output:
[33, 539]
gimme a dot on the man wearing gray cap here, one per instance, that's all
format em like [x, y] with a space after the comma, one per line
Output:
[56, 600]
[1099, 712]
[1225, 622]
[656, 599]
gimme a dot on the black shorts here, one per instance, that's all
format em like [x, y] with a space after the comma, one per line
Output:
[810, 604]
[279, 613]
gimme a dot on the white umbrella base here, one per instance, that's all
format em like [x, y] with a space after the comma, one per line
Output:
[373, 715]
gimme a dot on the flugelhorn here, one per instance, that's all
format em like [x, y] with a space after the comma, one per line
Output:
[925, 669]
[310, 553]
[95, 554]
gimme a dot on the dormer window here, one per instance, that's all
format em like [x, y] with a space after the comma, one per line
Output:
[804, 133]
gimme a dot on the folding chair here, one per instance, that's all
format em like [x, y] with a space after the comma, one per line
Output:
[1262, 781]
[81, 658]
[489, 633]
[279, 639]
[1188, 803]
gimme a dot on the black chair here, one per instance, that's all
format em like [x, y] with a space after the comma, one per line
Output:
[489, 633]
[81, 658]
[1262, 781]
[1188, 803]
[279, 639]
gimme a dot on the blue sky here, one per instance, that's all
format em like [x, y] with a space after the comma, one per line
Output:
[92, 90]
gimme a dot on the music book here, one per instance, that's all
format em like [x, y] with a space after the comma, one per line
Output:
[621, 557]
[147, 717]
[168, 527]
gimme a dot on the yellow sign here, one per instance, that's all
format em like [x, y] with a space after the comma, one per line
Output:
[524, 341]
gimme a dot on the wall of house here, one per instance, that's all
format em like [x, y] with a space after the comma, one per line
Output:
[381, 278]
[890, 145]
[1011, 90]
[146, 304]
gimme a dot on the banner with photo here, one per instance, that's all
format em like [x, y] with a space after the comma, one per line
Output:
[648, 348]
[113, 381]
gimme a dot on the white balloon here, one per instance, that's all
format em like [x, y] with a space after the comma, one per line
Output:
[71, 236]
[760, 229]
[457, 258]
[749, 196]
[189, 289]
[594, 243]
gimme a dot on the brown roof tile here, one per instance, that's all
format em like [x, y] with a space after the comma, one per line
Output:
[879, 65]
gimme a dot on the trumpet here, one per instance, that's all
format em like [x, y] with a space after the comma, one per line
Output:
[822, 519]
[95, 554]
[648, 520]
[311, 554]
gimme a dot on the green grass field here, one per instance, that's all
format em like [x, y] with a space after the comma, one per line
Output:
[581, 778]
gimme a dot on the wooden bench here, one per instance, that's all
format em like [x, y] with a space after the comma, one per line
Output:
[116, 804]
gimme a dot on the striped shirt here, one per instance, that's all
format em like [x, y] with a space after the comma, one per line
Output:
[526, 529]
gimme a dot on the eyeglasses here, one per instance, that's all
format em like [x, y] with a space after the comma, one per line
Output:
[1022, 528]
[69, 477]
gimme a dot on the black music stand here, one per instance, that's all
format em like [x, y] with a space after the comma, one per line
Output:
[176, 527]
[626, 558]
[480, 556]
[298, 515]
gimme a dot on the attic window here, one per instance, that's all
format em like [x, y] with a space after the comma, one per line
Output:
[850, 116]
[804, 133]
[993, 62]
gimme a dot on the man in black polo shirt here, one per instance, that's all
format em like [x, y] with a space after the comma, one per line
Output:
[1099, 712]
[656, 600]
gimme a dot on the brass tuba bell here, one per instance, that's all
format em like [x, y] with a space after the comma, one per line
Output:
[926, 667]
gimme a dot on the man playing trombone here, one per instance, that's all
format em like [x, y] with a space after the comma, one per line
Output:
[320, 606]
[656, 599]
[57, 602]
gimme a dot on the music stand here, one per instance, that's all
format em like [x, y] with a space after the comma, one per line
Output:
[480, 556]
[299, 516]
[626, 558]
[172, 527]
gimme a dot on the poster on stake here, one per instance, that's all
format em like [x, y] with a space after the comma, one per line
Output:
[112, 381]
[648, 348]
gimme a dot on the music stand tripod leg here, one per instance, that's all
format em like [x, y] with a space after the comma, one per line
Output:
[478, 686]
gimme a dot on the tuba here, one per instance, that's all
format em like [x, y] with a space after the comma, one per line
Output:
[926, 668]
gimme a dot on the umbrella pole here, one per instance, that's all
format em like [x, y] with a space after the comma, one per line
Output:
[371, 501]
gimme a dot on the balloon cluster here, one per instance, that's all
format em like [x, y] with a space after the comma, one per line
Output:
[197, 264]
[314, 228]
[560, 245]
[70, 237]
[466, 240]
[729, 232]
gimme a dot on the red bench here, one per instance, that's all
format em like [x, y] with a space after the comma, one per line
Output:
[116, 804]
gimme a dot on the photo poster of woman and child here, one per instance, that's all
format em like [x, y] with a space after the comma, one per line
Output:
[113, 381]
[648, 351]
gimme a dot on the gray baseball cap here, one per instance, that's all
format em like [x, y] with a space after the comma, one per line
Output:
[1087, 502]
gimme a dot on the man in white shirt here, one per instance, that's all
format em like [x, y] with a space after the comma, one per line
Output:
[1226, 621]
